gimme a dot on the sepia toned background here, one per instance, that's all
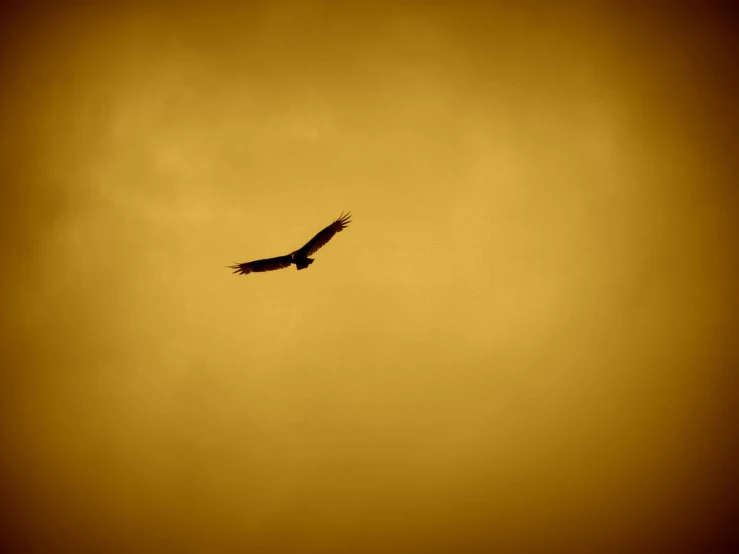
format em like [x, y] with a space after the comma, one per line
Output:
[522, 343]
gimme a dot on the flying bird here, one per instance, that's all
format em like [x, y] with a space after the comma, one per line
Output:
[299, 257]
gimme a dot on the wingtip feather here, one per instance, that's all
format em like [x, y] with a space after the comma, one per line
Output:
[344, 218]
[238, 269]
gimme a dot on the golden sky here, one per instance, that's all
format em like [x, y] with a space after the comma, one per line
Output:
[522, 343]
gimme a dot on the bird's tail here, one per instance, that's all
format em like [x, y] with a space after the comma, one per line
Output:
[302, 264]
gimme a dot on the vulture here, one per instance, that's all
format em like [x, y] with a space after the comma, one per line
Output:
[299, 257]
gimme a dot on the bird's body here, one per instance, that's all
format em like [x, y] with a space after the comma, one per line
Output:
[298, 257]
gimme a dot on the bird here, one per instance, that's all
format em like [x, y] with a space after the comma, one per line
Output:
[298, 257]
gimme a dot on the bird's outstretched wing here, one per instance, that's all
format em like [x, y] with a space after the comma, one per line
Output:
[325, 235]
[257, 266]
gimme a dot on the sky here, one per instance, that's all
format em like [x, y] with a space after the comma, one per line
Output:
[523, 342]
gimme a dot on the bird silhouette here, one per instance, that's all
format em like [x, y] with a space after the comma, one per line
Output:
[298, 257]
